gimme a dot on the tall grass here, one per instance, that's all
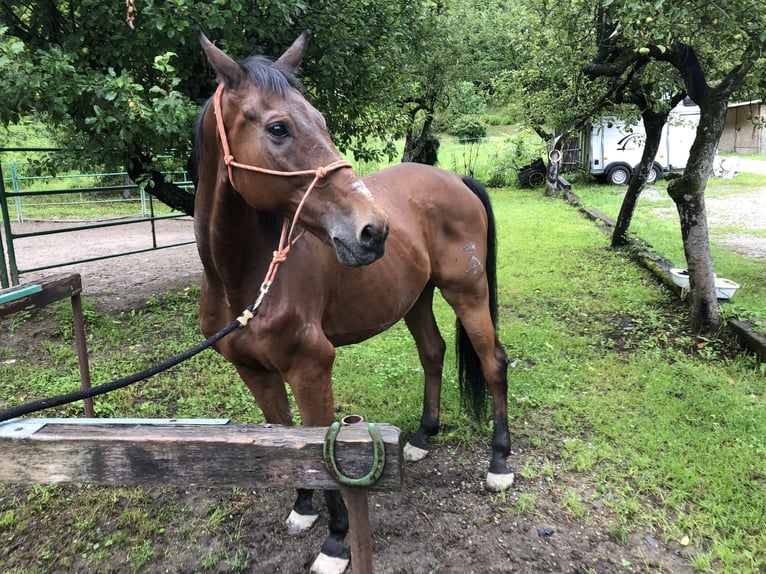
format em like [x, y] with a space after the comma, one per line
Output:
[494, 160]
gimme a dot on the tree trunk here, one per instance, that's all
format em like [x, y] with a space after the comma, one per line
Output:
[554, 166]
[653, 124]
[688, 193]
[414, 143]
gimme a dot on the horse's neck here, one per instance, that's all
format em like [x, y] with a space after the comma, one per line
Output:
[240, 241]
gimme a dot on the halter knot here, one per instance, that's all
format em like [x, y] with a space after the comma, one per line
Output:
[281, 254]
[321, 172]
[227, 159]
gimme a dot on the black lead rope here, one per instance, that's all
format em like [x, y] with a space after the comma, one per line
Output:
[41, 404]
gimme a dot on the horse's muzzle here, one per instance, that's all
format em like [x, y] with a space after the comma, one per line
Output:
[367, 248]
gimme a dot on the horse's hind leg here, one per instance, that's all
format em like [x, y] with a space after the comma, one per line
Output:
[268, 388]
[476, 321]
[499, 476]
[422, 324]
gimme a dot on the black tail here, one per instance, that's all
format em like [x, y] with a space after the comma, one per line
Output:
[473, 388]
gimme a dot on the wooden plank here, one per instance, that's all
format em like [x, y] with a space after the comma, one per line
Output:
[53, 289]
[597, 215]
[255, 456]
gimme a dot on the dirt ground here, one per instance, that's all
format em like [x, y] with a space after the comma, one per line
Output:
[443, 520]
[119, 283]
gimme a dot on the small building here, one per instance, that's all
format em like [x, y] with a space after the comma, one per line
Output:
[743, 132]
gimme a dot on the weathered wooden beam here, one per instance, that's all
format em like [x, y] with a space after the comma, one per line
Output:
[52, 289]
[360, 533]
[145, 451]
[598, 216]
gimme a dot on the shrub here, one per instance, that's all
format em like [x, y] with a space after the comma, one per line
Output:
[468, 129]
[493, 120]
[514, 153]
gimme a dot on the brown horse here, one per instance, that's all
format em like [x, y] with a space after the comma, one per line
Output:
[260, 146]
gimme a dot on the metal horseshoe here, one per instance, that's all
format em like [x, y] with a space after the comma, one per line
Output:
[378, 457]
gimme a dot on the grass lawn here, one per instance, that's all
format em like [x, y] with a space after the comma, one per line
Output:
[656, 221]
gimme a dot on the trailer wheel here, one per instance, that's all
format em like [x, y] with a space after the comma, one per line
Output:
[654, 174]
[618, 174]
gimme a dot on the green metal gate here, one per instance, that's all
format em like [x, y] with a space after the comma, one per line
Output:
[22, 194]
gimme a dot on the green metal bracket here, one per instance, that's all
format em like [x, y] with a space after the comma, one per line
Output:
[378, 457]
[17, 292]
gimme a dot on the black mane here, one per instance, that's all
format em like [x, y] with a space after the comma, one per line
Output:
[270, 76]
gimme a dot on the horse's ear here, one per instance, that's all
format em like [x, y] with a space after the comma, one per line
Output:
[294, 54]
[230, 72]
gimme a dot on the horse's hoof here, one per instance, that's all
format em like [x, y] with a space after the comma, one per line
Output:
[414, 453]
[325, 564]
[499, 482]
[297, 523]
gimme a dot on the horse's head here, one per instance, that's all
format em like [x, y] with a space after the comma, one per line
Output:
[278, 144]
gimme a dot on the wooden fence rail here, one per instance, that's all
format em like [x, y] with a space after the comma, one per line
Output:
[202, 453]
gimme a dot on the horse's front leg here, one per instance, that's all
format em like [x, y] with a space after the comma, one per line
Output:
[268, 389]
[334, 555]
[310, 378]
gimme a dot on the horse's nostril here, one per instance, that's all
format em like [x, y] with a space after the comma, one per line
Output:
[368, 235]
[372, 236]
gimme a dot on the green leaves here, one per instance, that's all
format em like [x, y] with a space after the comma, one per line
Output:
[118, 91]
[162, 62]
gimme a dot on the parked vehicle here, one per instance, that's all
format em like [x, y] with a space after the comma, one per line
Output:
[612, 149]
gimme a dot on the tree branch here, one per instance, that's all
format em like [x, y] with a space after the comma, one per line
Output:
[734, 78]
[167, 192]
[684, 59]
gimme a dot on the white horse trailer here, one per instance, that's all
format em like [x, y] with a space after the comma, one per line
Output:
[613, 147]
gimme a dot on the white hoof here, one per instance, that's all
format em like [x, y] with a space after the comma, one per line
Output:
[499, 482]
[414, 453]
[297, 523]
[325, 564]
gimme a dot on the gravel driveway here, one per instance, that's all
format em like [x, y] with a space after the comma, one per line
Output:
[752, 166]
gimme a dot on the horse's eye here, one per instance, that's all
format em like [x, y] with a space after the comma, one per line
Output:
[278, 130]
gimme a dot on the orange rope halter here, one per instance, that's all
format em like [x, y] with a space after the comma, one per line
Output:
[286, 239]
